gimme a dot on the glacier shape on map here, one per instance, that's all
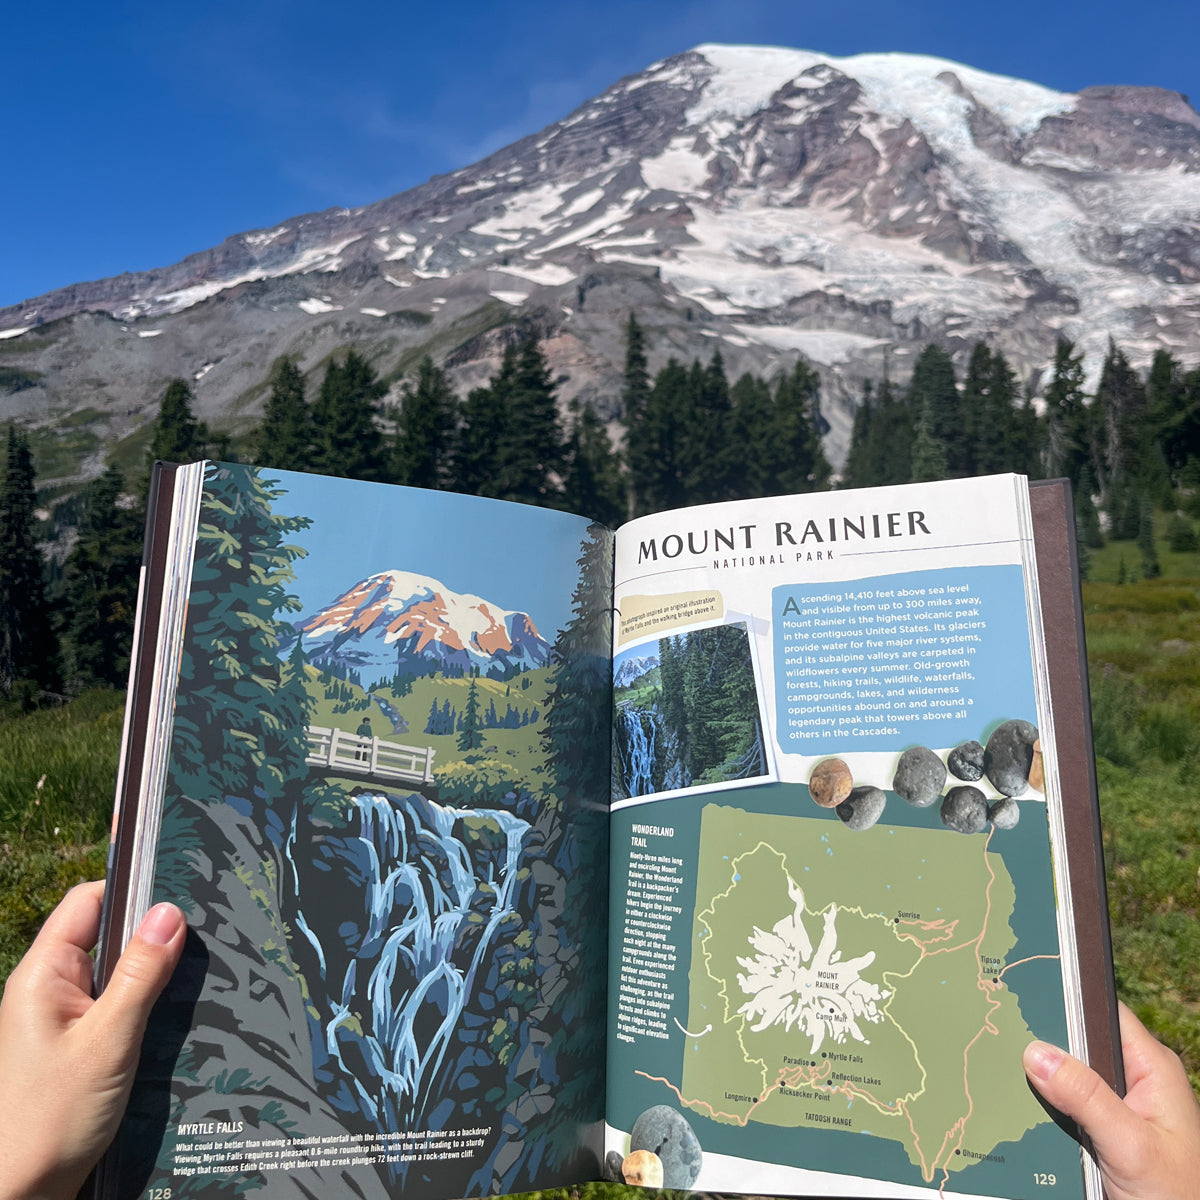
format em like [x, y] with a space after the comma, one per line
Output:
[819, 994]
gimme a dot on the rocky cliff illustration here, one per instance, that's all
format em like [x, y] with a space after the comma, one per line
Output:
[399, 622]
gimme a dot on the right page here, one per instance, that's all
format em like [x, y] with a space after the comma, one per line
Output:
[835, 918]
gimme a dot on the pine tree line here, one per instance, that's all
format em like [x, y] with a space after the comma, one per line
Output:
[690, 436]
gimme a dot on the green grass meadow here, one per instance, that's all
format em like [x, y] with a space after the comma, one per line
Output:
[57, 770]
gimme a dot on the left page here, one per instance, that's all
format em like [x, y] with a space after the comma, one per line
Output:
[392, 707]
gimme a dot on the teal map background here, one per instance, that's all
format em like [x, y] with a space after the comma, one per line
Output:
[646, 1073]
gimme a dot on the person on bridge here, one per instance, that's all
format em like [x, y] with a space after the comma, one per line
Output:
[363, 731]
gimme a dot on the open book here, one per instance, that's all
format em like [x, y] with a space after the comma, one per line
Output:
[741, 850]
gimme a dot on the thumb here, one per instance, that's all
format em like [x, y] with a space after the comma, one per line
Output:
[139, 977]
[1076, 1090]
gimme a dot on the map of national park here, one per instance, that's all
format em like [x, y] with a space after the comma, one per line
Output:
[859, 982]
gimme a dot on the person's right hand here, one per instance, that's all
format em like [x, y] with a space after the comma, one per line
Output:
[1147, 1146]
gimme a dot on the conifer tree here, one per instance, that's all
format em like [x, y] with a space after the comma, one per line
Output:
[285, 438]
[470, 736]
[756, 436]
[347, 439]
[856, 471]
[1145, 540]
[426, 430]
[1122, 420]
[1067, 418]
[706, 461]
[930, 458]
[889, 451]
[635, 403]
[977, 452]
[177, 437]
[28, 651]
[592, 479]
[1087, 518]
[483, 417]
[932, 397]
[529, 450]
[799, 458]
[655, 474]
[100, 583]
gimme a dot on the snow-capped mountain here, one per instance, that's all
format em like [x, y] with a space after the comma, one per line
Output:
[765, 201]
[400, 622]
[632, 669]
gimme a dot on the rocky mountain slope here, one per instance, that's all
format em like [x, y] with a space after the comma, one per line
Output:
[763, 201]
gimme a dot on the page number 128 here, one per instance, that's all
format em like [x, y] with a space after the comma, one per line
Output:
[1044, 1180]
[159, 1193]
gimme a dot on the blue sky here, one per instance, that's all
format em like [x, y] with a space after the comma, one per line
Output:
[136, 133]
[515, 555]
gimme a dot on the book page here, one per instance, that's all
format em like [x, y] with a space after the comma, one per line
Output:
[379, 814]
[833, 923]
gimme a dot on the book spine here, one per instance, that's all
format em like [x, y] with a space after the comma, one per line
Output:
[151, 583]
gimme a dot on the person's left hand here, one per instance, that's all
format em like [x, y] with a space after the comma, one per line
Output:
[67, 1060]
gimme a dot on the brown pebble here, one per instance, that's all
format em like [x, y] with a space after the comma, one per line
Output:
[643, 1168]
[1037, 774]
[830, 782]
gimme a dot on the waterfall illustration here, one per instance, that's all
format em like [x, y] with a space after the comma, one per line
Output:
[436, 884]
[637, 735]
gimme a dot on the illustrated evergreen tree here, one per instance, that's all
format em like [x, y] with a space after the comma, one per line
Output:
[798, 457]
[1068, 438]
[284, 440]
[426, 431]
[28, 649]
[593, 483]
[346, 435]
[100, 585]
[577, 728]
[470, 736]
[529, 449]
[242, 712]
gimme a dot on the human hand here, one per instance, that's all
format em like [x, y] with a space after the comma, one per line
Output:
[1147, 1146]
[67, 1060]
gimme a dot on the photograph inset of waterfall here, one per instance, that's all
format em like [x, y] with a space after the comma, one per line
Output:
[687, 713]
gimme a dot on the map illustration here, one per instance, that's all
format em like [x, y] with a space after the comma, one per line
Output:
[866, 983]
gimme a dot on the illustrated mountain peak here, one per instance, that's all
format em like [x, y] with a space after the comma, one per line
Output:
[400, 622]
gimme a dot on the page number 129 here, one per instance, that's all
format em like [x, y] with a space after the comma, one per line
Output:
[1044, 1180]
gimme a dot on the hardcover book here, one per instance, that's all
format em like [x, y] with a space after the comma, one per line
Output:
[743, 849]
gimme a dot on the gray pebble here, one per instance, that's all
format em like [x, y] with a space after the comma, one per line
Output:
[919, 777]
[966, 761]
[862, 808]
[612, 1167]
[965, 810]
[1004, 813]
[1009, 755]
[662, 1131]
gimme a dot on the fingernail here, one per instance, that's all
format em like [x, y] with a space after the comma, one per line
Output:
[1042, 1059]
[160, 924]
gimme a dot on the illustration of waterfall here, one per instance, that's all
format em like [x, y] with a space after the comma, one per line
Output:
[637, 731]
[403, 912]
